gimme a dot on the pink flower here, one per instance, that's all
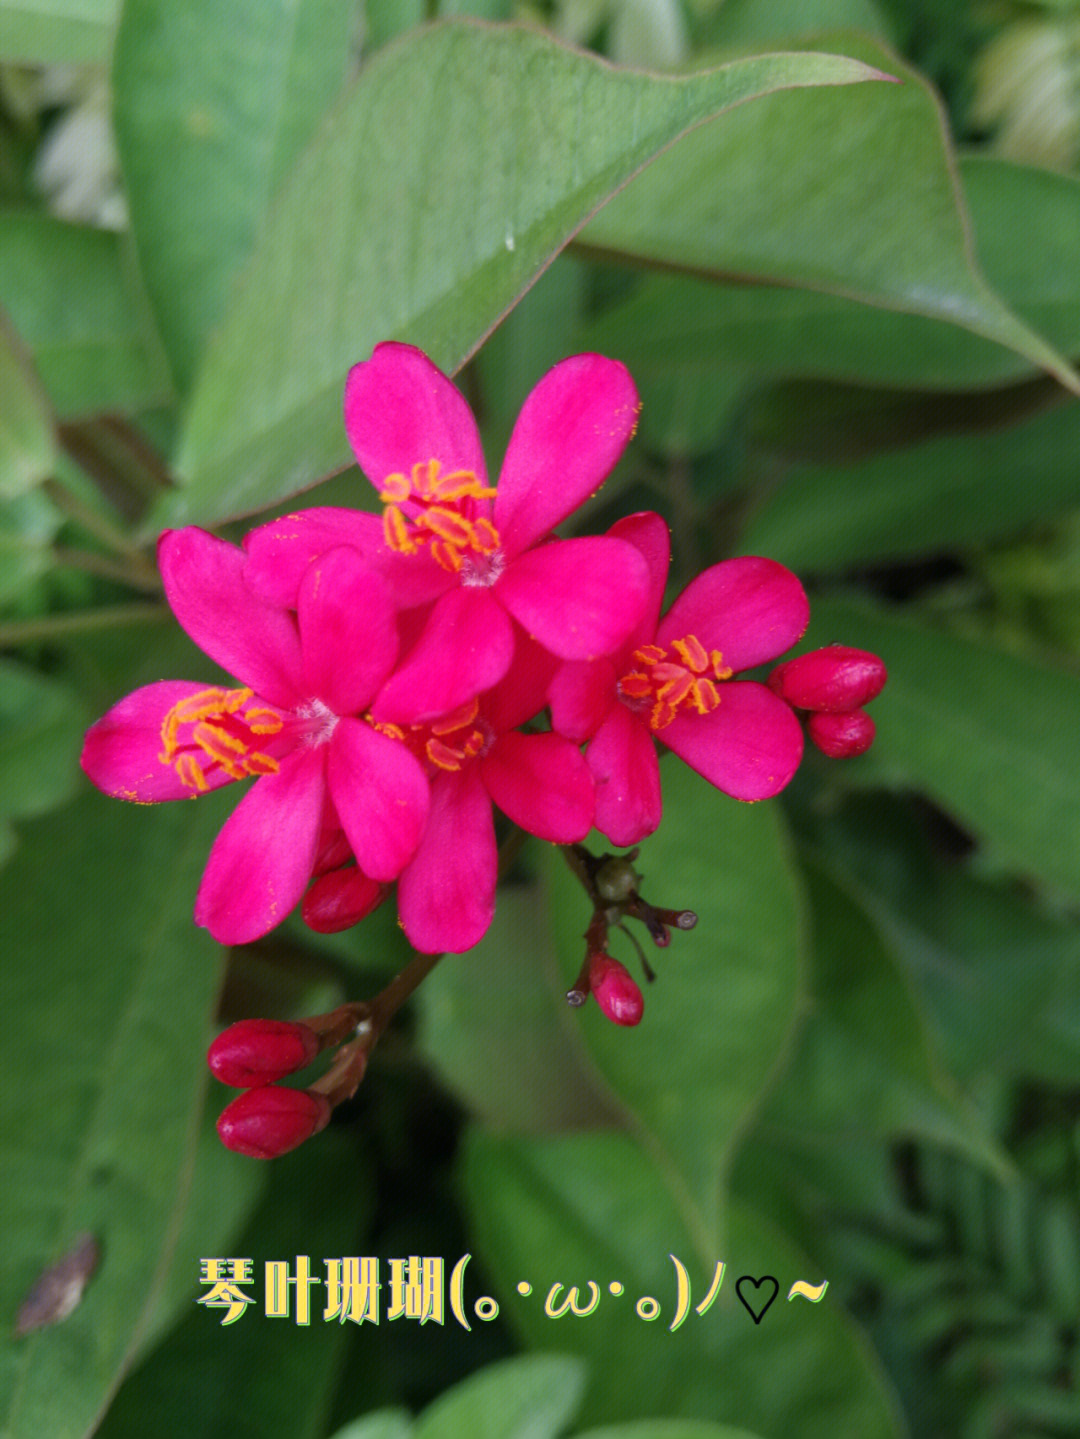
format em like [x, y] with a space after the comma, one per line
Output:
[672, 680]
[483, 555]
[291, 723]
[476, 757]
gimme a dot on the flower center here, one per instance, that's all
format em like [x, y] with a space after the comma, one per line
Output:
[448, 743]
[671, 684]
[446, 520]
[218, 727]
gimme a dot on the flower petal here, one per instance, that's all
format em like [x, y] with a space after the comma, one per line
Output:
[647, 532]
[749, 609]
[579, 598]
[401, 410]
[749, 746]
[348, 631]
[543, 783]
[278, 554]
[466, 647]
[121, 752]
[624, 764]
[262, 859]
[572, 429]
[522, 692]
[254, 641]
[580, 695]
[446, 896]
[380, 792]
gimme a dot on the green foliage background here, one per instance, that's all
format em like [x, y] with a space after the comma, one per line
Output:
[852, 308]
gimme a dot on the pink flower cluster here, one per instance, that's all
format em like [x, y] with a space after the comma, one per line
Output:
[399, 674]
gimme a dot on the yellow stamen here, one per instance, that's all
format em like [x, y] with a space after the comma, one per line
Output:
[675, 683]
[211, 722]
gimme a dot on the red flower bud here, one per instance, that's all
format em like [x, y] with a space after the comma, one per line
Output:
[834, 680]
[841, 735]
[340, 899]
[263, 1123]
[255, 1052]
[615, 990]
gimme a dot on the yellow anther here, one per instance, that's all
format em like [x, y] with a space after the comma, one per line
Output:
[396, 489]
[442, 755]
[485, 536]
[189, 772]
[457, 719]
[396, 532]
[262, 721]
[452, 528]
[693, 653]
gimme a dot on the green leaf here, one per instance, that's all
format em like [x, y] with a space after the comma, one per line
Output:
[998, 980]
[871, 210]
[28, 526]
[594, 1207]
[231, 91]
[863, 1064]
[57, 32]
[956, 490]
[425, 221]
[748, 22]
[107, 1012]
[383, 1424]
[500, 1012]
[691, 1086]
[1025, 222]
[27, 437]
[990, 737]
[76, 308]
[667, 1429]
[534, 1396]
[41, 727]
[288, 1368]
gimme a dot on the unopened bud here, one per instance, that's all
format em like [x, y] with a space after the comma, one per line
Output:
[265, 1123]
[616, 879]
[255, 1052]
[833, 680]
[615, 990]
[340, 899]
[841, 736]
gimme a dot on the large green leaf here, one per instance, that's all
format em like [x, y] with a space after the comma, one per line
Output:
[593, 1207]
[1025, 223]
[57, 32]
[863, 1064]
[858, 199]
[231, 91]
[988, 735]
[107, 987]
[70, 296]
[998, 980]
[459, 163]
[27, 437]
[956, 490]
[287, 1368]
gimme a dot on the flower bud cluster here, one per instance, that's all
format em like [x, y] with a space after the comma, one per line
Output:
[269, 1119]
[833, 684]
